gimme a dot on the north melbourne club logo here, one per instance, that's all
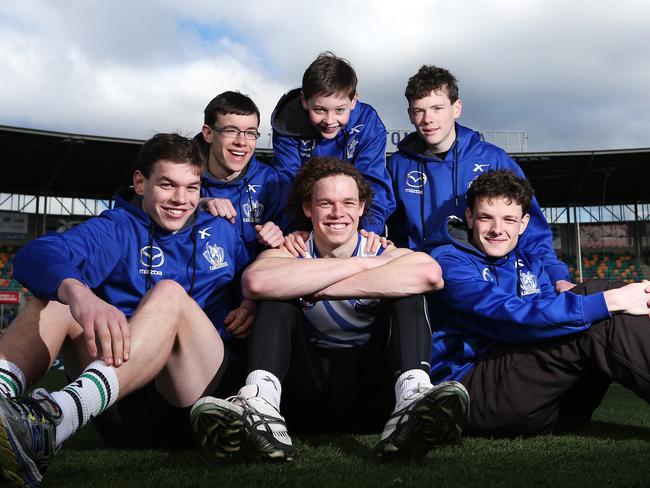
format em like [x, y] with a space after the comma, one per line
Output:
[215, 256]
[151, 257]
[351, 147]
[253, 212]
[416, 180]
[305, 147]
[528, 283]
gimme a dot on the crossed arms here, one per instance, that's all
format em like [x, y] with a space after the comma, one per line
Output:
[278, 275]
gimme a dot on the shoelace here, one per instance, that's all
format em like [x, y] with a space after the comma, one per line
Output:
[264, 419]
[32, 409]
[411, 392]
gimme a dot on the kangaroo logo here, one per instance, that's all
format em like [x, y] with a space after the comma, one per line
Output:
[253, 212]
[305, 147]
[528, 283]
[352, 145]
[215, 256]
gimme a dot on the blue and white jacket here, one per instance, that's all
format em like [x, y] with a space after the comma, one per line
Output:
[487, 302]
[361, 142]
[428, 190]
[259, 194]
[122, 253]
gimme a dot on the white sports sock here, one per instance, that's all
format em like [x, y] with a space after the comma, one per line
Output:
[86, 397]
[409, 380]
[268, 384]
[12, 379]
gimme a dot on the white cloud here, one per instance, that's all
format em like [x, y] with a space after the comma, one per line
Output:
[574, 74]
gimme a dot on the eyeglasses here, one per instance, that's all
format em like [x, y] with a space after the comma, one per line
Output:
[232, 133]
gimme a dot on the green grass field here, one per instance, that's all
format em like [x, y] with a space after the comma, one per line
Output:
[614, 450]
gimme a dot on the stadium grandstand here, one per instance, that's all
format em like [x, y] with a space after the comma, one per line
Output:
[597, 202]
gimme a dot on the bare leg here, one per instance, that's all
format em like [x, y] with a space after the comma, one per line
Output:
[36, 336]
[175, 342]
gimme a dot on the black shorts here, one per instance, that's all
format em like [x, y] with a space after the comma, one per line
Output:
[338, 389]
[144, 419]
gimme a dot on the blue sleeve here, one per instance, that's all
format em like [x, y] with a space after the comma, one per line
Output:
[482, 308]
[286, 157]
[370, 160]
[397, 221]
[242, 256]
[87, 253]
[537, 241]
[277, 201]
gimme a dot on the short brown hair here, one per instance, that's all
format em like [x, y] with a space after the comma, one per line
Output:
[171, 147]
[314, 170]
[501, 183]
[431, 78]
[229, 102]
[329, 75]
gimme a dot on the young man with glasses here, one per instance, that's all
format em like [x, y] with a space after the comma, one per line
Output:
[239, 188]
[242, 189]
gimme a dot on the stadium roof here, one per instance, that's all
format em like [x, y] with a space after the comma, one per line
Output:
[73, 165]
[37, 162]
[588, 177]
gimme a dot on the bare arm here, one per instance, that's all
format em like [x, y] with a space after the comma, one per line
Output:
[406, 273]
[278, 275]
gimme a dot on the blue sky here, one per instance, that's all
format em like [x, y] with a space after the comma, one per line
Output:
[574, 75]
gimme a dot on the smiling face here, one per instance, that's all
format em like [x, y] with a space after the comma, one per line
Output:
[229, 156]
[434, 118]
[496, 225]
[329, 114]
[335, 211]
[170, 194]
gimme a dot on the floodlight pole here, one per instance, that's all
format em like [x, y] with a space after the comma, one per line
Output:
[578, 251]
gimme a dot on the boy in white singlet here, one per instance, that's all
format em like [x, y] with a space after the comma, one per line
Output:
[335, 332]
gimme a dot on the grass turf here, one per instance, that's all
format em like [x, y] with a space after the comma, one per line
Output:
[614, 449]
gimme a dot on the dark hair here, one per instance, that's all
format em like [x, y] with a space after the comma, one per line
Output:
[502, 183]
[329, 75]
[314, 170]
[229, 102]
[170, 147]
[431, 78]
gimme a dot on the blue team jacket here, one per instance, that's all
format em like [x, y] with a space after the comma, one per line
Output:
[488, 302]
[361, 142]
[259, 195]
[428, 190]
[122, 253]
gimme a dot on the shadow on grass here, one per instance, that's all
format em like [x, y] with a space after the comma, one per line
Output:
[610, 430]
